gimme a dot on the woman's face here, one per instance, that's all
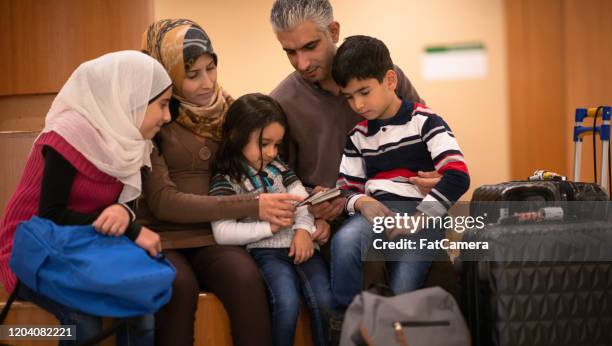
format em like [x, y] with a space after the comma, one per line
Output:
[156, 115]
[200, 80]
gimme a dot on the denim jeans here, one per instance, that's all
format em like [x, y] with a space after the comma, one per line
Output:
[285, 281]
[139, 331]
[346, 263]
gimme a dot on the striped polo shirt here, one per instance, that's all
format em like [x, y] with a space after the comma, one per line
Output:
[380, 156]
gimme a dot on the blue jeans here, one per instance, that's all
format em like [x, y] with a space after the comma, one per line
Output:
[139, 331]
[285, 281]
[346, 263]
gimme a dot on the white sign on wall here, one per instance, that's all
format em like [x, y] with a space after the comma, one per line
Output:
[453, 62]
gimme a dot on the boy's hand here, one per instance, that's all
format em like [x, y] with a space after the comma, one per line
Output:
[301, 246]
[426, 181]
[149, 241]
[327, 210]
[371, 208]
[112, 221]
[321, 235]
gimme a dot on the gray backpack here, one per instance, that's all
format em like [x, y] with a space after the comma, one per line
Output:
[428, 316]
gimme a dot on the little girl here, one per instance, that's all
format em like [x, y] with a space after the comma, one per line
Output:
[247, 162]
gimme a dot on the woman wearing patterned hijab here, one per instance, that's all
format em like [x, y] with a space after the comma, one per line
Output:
[176, 194]
[186, 52]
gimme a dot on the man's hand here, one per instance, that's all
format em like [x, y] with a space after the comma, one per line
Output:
[112, 221]
[371, 208]
[321, 235]
[278, 208]
[301, 246]
[426, 181]
[327, 210]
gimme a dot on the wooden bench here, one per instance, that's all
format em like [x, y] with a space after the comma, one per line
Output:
[211, 324]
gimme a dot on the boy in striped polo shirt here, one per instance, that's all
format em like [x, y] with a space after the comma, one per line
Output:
[396, 140]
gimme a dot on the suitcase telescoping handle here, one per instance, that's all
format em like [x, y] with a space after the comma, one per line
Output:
[604, 135]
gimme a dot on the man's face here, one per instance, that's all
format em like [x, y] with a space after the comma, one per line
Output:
[310, 51]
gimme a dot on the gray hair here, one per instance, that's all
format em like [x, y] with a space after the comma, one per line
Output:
[287, 14]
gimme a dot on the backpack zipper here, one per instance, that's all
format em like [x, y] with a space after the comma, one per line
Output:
[400, 324]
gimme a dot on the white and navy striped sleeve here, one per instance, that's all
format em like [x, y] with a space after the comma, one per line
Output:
[448, 161]
[352, 176]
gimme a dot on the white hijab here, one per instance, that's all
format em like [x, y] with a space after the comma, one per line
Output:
[100, 109]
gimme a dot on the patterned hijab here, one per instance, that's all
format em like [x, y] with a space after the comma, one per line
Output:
[176, 44]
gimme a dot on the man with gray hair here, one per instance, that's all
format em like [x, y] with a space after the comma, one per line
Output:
[319, 117]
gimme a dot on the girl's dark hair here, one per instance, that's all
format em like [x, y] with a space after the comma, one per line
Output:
[248, 113]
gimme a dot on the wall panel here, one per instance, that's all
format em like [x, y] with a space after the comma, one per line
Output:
[588, 52]
[559, 52]
[536, 86]
[44, 41]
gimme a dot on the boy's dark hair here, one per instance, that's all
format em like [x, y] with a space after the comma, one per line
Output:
[361, 57]
[248, 113]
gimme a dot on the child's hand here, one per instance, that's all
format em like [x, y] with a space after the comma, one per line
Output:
[275, 228]
[301, 246]
[321, 235]
[112, 221]
[371, 208]
[425, 181]
[149, 241]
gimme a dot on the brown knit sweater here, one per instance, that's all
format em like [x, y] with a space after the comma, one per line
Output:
[175, 191]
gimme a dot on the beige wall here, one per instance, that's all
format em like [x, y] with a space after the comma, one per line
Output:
[251, 59]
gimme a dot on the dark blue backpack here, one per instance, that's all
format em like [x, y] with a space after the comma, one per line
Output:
[88, 271]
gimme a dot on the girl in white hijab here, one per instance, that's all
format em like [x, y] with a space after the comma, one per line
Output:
[100, 109]
[85, 166]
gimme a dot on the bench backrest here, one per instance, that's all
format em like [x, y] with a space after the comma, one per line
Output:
[15, 147]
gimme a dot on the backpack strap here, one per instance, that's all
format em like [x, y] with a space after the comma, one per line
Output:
[9, 302]
[103, 334]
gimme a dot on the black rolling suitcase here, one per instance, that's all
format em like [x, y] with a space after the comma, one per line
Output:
[545, 280]
[531, 288]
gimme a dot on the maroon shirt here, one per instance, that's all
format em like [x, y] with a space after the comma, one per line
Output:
[92, 190]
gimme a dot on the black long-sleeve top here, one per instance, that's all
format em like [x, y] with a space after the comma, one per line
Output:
[57, 180]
